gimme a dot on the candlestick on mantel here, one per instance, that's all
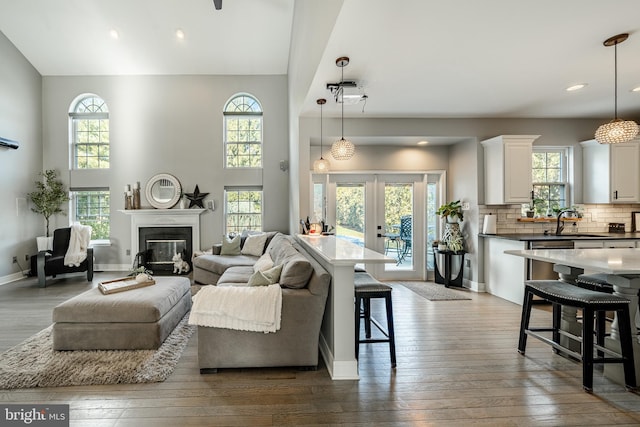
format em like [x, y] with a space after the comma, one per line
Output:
[127, 200]
[136, 197]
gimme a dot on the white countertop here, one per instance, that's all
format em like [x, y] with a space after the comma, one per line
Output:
[339, 251]
[610, 260]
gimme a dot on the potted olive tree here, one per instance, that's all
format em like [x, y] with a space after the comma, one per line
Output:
[452, 236]
[47, 200]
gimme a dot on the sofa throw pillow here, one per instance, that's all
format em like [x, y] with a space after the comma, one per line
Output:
[296, 272]
[230, 246]
[254, 244]
[265, 278]
[264, 263]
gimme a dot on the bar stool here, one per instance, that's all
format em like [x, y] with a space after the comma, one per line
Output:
[597, 282]
[591, 302]
[366, 289]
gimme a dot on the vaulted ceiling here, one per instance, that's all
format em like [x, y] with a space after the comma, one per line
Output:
[412, 58]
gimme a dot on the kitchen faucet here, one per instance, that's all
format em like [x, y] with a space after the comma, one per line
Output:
[559, 227]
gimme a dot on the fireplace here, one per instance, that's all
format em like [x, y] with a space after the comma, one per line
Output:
[171, 231]
[158, 245]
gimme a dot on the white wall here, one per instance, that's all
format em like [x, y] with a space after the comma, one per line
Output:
[463, 185]
[171, 124]
[312, 26]
[20, 120]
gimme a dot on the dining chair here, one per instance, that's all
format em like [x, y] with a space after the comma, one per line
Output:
[406, 236]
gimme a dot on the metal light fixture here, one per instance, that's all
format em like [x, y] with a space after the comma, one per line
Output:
[617, 130]
[342, 149]
[321, 165]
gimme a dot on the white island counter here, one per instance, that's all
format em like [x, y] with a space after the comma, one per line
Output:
[337, 337]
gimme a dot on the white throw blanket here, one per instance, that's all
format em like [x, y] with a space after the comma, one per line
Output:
[78, 244]
[253, 308]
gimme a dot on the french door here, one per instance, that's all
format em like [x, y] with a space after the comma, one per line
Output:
[382, 212]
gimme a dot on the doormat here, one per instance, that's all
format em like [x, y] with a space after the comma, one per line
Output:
[435, 292]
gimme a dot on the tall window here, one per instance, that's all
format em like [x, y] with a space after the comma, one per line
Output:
[243, 209]
[90, 133]
[92, 208]
[243, 132]
[549, 173]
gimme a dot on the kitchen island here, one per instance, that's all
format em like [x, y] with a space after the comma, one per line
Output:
[504, 277]
[623, 272]
[337, 336]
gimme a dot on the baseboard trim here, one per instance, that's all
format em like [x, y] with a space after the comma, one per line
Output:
[474, 286]
[338, 370]
[12, 277]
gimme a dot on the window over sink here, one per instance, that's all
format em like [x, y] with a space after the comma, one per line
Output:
[549, 169]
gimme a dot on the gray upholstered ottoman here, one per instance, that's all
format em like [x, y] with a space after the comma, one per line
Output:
[137, 319]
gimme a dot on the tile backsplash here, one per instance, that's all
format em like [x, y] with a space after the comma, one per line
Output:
[595, 218]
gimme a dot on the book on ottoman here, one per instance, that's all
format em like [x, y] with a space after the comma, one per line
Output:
[123, 284]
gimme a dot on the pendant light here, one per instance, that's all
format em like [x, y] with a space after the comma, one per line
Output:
[617, 130]
[321, 165]
[342, 149]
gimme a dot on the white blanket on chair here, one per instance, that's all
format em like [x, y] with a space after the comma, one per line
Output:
[78, 244]
[244, 308]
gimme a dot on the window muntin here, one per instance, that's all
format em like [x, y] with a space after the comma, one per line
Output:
[243, 132]
[92, 207]
[549, 176]
[243, 209]
[90, 133]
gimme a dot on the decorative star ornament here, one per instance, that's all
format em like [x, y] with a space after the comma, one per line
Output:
[195, 198]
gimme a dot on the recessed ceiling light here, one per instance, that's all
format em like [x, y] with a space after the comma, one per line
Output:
[114, 34]
[576, 87]
[423, 142]
[180, 34]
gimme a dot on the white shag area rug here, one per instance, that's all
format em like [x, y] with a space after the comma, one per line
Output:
[34, 363]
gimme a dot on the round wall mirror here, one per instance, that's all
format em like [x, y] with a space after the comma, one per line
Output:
[163, 191]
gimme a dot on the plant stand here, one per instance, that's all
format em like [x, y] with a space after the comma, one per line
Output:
[452, 262]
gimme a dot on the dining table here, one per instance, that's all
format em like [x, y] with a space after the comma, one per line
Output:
[622, 266]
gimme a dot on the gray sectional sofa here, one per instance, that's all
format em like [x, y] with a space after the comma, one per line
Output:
[305, 286]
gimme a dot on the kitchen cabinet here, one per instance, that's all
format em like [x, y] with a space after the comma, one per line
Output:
[599, 244]
[503, 276]
[507, 169]
[588, 244]
[610, 172]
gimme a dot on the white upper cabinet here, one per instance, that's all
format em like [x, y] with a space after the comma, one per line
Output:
[610, 172]
[507, 169]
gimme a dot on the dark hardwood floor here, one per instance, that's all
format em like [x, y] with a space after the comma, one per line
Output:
[457, 365]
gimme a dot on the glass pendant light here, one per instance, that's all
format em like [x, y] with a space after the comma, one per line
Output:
[342, 149]
[617, 130]
[321, 165]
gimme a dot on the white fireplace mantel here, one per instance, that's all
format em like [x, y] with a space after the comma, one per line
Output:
[164, 218]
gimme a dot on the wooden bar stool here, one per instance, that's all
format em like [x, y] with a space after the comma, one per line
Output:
[366, 289]
[591, 302]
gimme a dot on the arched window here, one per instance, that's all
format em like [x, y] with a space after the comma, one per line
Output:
[243, 132]
[89, 127]
[90, 133]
